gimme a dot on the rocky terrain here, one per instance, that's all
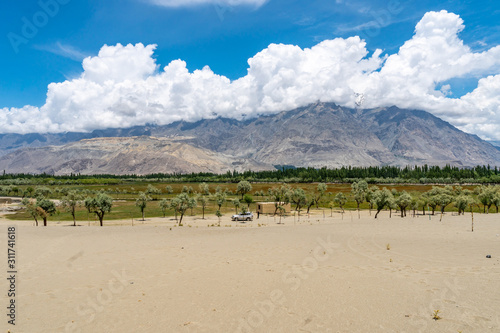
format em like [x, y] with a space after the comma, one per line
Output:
[319, 135]
[127, 155]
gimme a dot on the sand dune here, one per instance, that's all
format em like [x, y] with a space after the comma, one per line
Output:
[319, 274]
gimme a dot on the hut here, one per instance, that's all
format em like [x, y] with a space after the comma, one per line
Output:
[269, 207]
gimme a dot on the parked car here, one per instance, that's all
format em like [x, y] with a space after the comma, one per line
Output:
[248, 216]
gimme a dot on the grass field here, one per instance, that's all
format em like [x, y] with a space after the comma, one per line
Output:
[124, 196]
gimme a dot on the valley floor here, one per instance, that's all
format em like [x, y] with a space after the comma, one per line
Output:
[319, 274]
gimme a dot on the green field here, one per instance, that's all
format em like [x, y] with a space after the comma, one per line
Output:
[124, 196]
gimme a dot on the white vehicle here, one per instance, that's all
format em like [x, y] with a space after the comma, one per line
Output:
[248, 216]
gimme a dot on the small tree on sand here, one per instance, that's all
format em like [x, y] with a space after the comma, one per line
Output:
[142, 202]
[100, 205]
[70, 202]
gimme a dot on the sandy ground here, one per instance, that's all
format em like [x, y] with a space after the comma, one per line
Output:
[319, 274]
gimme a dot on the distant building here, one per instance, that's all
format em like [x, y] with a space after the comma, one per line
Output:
[269, 207]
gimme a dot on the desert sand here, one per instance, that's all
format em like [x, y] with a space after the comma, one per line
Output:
[319, 274]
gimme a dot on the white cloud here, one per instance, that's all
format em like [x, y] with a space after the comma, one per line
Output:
[191, 3]
[123, 86]
[64, 50]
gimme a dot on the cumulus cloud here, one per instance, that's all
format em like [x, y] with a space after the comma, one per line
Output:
[123, 86]
[190, 3]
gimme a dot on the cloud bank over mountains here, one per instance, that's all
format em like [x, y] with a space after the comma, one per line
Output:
[123, 85]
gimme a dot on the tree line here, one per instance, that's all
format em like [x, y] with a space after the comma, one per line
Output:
[376, 174]
[39, 205]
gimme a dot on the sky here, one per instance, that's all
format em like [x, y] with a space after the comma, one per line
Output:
[69, 65]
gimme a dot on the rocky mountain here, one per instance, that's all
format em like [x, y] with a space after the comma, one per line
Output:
[321, 134]
[127, 155]
[325, 134]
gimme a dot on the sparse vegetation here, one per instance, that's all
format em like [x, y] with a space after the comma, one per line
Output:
[435, 315]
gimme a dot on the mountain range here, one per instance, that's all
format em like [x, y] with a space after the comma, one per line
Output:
[318, 135]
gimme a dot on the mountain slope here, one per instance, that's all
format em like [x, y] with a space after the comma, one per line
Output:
[417, 137]
[325, 134]
[131, 155]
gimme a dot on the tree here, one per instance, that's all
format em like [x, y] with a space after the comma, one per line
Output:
[243, 188]
[181, 204]
[203, 202]
[486, 197]
[204, 188]
[359, 190]
[142, 202]
[320, 192]
[70, 202]
[47, 209]
[236, 204]
[220, 198]
[30, 190]
[381, 199]
[100, 205]
[340, 199]
[247, 198]
[152, 192]
[442, 197]
[369, 196]
[496, 200]
[281, 196]
[31, 208]
[218, 214]
[186, 189]
[193, 203]
[403, 201]
[462, 202]
[169, 189]
[42, 191]
[298, 198]
[164, 205]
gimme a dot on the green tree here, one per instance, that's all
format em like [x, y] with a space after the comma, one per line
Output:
[320, 192]
[32, 208]
[298, 198]
[381, 199]
[42, 191]
[236, 204]
[220, 198]
[369, 196]
[204, 189]
[100, 205]
[70, 202]
[496, 200]
[340, 199]
[462, 202]
[243, 188]
[169, 189]
[218, 214]
[164, 205]
[247, 198]
[280, 195]
[403, 201]
[486, 196]
[359, 190]
[193, 203]
[142, 202]
[181, 204]
[152, 192]
[48, 208]
[203, 203]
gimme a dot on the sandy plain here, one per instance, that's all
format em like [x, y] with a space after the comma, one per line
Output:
[316, 274]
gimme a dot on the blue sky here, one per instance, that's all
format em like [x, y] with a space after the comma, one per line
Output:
[222, 34]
